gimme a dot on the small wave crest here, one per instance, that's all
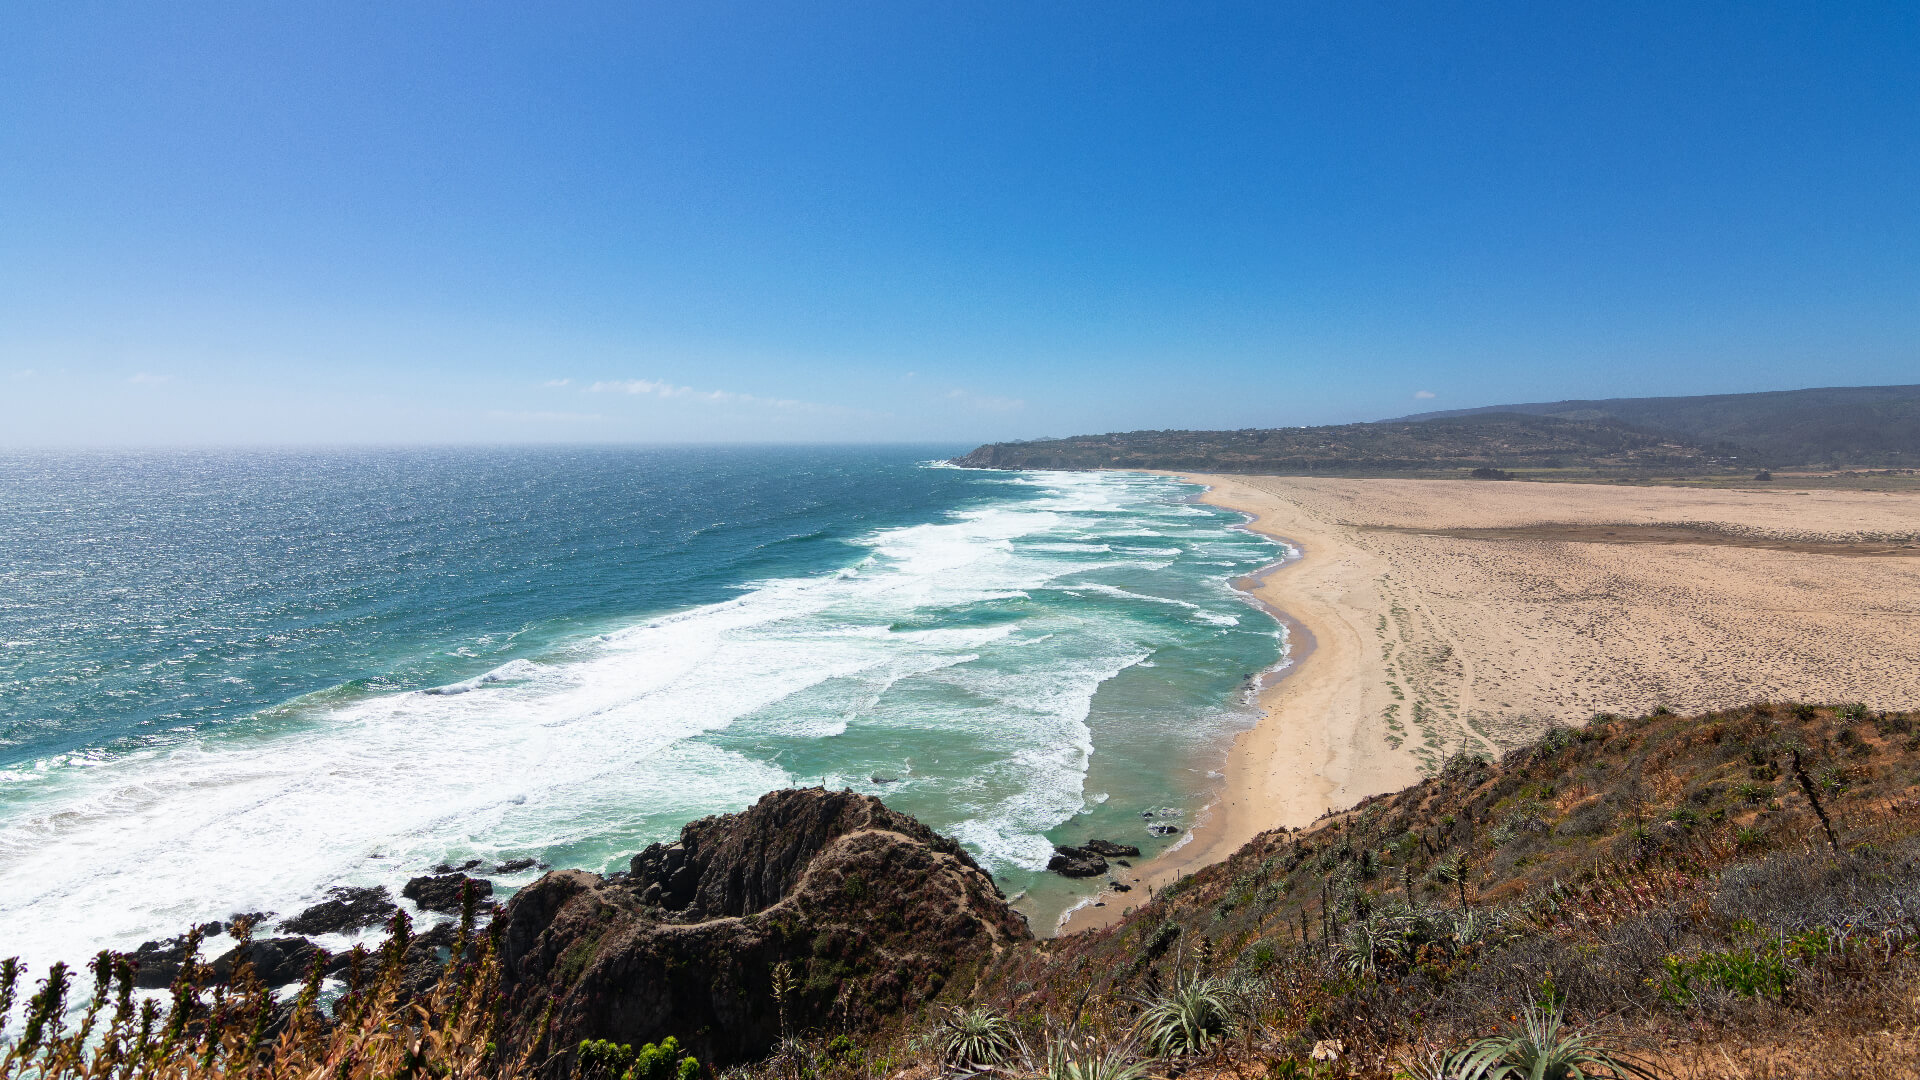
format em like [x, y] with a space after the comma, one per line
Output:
[512, 669]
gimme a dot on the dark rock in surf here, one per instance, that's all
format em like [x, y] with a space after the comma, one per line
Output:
[276, 961]
[440, 936]
[157, 963]
[350, 909]
[444, 892]
[1110, 849]
[1163, 830]
[1076, 862]
[449, 868]
[514, 866]
[687, 945]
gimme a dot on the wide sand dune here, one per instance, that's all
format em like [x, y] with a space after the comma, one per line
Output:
[1447, 615]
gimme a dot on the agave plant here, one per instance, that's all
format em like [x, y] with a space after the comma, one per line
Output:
[1373, 945]
[1085, 1059]
[1433, 1065]
[1539, 1049]
[1469, 929]
[1190, 1017]
[976, 1036]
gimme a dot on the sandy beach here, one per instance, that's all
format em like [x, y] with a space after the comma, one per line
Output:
[1432, 616]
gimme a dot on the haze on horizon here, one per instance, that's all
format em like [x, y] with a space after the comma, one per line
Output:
[440, 222]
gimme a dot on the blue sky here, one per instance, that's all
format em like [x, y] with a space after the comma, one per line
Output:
[882, 221]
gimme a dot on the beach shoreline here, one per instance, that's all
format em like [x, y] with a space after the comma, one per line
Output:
[1447, 616]
[1276, 772]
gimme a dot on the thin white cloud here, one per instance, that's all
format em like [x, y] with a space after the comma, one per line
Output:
[1423, 395]
[146, 379]
[657, 388]
[632, 386]
[546, 417]
[557, 382]
[986, 402]
[25, 373]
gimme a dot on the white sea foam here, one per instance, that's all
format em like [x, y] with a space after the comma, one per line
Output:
[596, 746]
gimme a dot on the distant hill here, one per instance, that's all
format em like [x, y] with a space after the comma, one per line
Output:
[1870, 426]
[1847, 427]
[1495, 440]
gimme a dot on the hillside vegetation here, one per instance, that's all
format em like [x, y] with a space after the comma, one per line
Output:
[1495, 441]
[1840, 426]
[1735, 894]
[1875, 427]
[1667, 883]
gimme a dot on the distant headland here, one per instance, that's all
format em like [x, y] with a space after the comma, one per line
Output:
[1833, 428]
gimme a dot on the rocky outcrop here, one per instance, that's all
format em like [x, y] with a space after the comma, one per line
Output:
[156, 963]
[276, 961]
[1111, 850]
[1076, 862]
[871, 911]
[349, 909]
[445, 893]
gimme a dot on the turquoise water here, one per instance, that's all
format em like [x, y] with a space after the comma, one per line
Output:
[229, 680]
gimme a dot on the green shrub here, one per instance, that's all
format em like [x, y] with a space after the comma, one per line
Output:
[1755, 971]
[1746, 972]
[842, 1048]
[1260, 955]
[854, 888]
[600, 1058]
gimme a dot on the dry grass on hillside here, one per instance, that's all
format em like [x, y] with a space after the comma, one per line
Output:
[1667, 881]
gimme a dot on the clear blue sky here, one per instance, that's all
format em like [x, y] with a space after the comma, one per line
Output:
[323, 222]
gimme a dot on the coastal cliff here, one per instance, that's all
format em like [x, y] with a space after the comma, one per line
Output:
[866, 911]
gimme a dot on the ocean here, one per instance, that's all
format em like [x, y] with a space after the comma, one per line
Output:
[231, 679]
